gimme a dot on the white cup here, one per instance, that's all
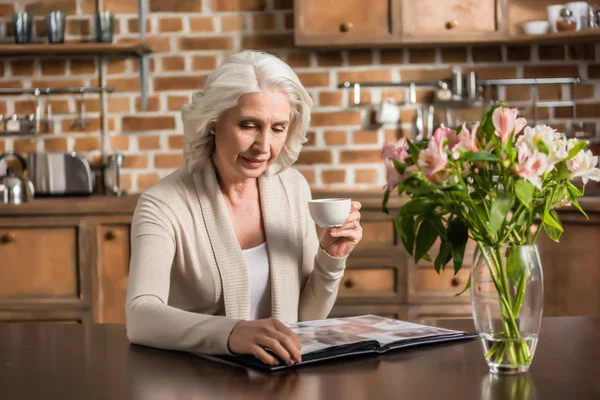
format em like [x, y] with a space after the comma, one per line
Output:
[388, 112]
[329, 213]
[580, 12]
[553, 12]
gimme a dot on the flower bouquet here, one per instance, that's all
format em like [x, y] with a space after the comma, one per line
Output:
[497, 182]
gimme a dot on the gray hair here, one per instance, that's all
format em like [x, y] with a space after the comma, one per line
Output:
[243, 73]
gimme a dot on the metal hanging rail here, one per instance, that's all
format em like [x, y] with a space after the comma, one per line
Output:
[59, 90]
[480, 82]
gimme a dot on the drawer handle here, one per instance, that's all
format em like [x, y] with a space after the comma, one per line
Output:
[8, 238]
[346, 26]
[349, 284]
[451, 24]
[111, 235]
[455, 282]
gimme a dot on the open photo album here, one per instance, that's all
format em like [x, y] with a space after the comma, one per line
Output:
[332, 338]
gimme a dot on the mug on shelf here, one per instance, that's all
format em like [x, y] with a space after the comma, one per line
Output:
[22, 23]
[104, 24]
[388, 112]
[55, 25]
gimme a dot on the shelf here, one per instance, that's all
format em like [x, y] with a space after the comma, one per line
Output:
[585, 36]
[75, 48]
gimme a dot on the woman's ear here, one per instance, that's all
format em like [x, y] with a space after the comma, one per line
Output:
[212, 128]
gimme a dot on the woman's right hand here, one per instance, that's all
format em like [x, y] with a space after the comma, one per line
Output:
[252, 337]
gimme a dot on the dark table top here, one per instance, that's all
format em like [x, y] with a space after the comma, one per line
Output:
[97, 362]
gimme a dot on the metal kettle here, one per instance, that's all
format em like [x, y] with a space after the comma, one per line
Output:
[15, 188]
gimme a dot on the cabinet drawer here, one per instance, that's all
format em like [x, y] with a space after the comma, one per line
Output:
[368, 281]
[429, 281]
[39, 262]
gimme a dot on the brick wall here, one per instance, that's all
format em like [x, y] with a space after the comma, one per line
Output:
[192, 36]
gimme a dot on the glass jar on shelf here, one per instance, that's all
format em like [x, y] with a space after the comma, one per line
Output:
[566, 22]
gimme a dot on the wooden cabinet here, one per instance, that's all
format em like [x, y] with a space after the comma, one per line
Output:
[348, 22]
[353, 23]
[451, 20]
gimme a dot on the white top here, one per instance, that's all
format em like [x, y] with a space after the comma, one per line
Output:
[257, 260]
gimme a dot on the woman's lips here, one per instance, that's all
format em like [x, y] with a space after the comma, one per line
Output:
[254, 162]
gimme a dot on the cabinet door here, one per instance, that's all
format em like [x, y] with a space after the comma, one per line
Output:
[345, 22]
[451, 20]
[112, 274]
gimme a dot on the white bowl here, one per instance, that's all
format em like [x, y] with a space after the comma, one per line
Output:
[328, 213]
[536, 27]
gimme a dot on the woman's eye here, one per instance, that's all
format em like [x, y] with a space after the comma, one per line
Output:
[279, 129]
[246, 126]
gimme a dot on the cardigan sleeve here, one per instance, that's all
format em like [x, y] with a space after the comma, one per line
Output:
[150, 320]
[321, 273]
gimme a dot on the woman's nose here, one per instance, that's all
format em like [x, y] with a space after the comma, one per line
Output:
[261, 143]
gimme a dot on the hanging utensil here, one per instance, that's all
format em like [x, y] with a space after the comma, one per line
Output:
[430, 117]
[420, 124]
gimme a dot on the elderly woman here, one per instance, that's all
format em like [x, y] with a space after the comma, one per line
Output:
[223, 249]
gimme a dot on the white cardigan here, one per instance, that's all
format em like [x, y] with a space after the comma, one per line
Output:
[188, 280]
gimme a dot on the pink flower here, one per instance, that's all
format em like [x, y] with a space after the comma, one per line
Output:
[393, 177]
[465, 141]
[398, 151]
[531, 165]
[583, 166]
[506, 123]
[434, 159]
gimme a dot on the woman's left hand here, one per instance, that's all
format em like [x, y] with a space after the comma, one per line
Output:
[339, 242]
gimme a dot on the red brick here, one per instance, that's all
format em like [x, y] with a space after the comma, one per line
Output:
[366, 176]
[81, 66]
[25, 107]
[22, 67]
[175, 6]
[396, 94]
[284, 4]
[204, 63]
[593, 71]
[149, 142]
[146, 181]
[11, 84]
[563, 112]
[59, 106]
[175, 102]
[494, 72]
[314, 79]
[329, 59]
[130, 124]
[136, 161]
[133, 25]
[2, 145]
[336, 118]
[58, 83]
[263, 22]
[582, 91]
[170, 25]
[117, 65]
[309, 157]
[202, 24]
[56, 144]
[360, 57]
[551, 52]
[453, 55]
[582, 51]
[23, 146]
[551, 71]
[91, 105]
[298, 60]
[179, 83]
[331, 99]
[120, 143]
[360, 156]
[384, 75]
[159, 44]
[421, 56]
[118, 105]
[45, 6]
[486, 54]
[334, 138]
[518, 93]
[588, 110]
[126, 181]
[87, 144]
[173, 63]
[311, 139]
[231, 23]
[125, 84]
[309, 175]
[423, 74]
[78, 26]
[168, 160]
[206, 43]
[392, 56]
[6, 10]
[268, 41]
[237, 5]
[3, 107]
[550, 92]
[518, 53]
[176, 142]
[289, 21]
[73, 125]
[152, 104]
[333, 176]
[365, 137]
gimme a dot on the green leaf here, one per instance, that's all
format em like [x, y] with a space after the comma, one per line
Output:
[425, 239]
[423, 189]
[576, 149]
[386, 198]
[575, 204]
[574, 190]
[500, 208]
[467, 286]
[458, 234]
[400, 167]
[413, 150]
[524, 191]
[541, 146]
[420, 205]
[480, 156]
[406, 229]
[515, 267]
[550, 221]
[444, 255]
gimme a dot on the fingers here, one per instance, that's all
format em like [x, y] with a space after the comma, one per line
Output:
[263, 356]
[287, 347]
[355, 206]
[274, 345]
[287, 331]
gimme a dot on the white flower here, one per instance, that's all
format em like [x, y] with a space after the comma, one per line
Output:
[555, 142]
[583, 165]
[532, 165]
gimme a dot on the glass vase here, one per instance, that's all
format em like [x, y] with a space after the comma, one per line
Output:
[507, 295]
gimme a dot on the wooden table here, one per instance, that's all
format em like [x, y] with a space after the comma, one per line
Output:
[97, 362]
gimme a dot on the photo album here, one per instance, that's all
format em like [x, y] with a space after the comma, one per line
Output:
[333, 338]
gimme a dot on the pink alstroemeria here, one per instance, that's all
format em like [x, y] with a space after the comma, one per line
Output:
[398, 151]
[465, 141]
[434, 159]
[506, 123]
[583, 166]
[532, 165]
[393, 177]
